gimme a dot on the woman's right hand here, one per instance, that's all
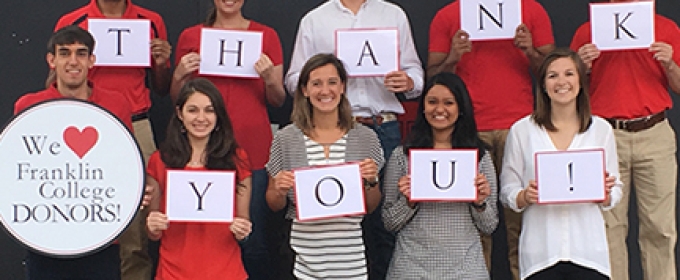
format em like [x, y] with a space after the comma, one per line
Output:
[404, 184]
[530, 193]
[188, 64]
[157, 222]
[283, 182]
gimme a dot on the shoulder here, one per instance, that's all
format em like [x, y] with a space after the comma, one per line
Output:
[71, 17]
[27, 100]
[146, 13]
[362, 132]
[321, 12]
[600, 124]
[451, 10]
[191, 31]
[523, 123]
[532, 6]
[254, 25]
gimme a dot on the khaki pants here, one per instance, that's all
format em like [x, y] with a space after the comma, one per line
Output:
[513, 221]
[647, 160]
[135, 263]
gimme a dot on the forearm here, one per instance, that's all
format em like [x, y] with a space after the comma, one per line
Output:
[275, 93]
[176, 85]
[373, 196]
[161, 79]
[243, 194]
[275, 200]
[673, 76]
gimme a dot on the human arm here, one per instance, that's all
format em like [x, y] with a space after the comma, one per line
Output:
[241, 225]
[512, 181]
[524, 41]
[160, 52]
[186, 66]
[613, 184]
[369, 174]
[303, 49]
[410, 78]
[486, 218]
[272, 75]
[446, 62]
[664, 54]
[397, 209]
[278, 188]
[156, 221]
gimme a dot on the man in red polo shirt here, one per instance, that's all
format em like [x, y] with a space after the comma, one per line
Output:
[132, 83]
[629, 88]
[70, 58]
[497, 74]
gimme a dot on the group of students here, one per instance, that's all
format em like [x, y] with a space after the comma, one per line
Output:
[221, 123]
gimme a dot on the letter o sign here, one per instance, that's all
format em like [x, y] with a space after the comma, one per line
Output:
[318, 193]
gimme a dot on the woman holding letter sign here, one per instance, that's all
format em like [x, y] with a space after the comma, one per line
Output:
[440, 240]
[246, 101]
[199, 137]
[323, 132]
[559, 241]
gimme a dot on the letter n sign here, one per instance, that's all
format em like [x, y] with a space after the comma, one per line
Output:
[490, 19]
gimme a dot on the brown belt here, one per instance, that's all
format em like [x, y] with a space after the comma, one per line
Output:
[640, 124]
[377, 120]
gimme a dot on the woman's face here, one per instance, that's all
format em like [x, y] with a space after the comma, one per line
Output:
[198, 116]
[324, 88]
[228, 6]
[440, 108]
[562, 82]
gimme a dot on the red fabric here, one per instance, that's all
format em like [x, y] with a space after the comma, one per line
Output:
[197, 250]
[244, 98]
[631, 83]
[130, 81]
[496, 73]
[109, 100]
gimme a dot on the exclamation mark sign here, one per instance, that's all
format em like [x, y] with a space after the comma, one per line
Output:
[570, 168]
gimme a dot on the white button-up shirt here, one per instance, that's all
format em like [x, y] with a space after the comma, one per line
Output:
[367, 95]
[557, 232]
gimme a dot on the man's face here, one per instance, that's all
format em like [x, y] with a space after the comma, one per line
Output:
[71, 64]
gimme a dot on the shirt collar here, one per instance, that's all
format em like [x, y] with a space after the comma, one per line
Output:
[94, 9]
[342, 7]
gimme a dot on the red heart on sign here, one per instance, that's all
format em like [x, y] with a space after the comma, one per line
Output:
[80, 142]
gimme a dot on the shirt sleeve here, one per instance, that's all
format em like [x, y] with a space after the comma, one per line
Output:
[243, 169]
[540, 25]
[275, 163]
[272, 46]
[581, 37]
[409, 61]
[512, 170]
[184, 45]
[612, 165]
[440, 32]
[396, 212]
[302, 50]
[487, 220]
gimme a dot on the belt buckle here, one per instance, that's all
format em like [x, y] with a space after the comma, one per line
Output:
[621, 124]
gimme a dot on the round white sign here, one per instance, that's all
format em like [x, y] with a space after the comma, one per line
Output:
[72, 178]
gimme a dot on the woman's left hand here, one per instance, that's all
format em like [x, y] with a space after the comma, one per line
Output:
[609, 183]
[483, 189]
[241, 228]
[264, 67]
[368, 169]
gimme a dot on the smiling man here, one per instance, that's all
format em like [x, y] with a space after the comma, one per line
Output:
[135, 84]
[70, 58]
[630, 89]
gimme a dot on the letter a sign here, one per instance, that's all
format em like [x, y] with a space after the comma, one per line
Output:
[368, 52]
[490, 19]
[621, 26]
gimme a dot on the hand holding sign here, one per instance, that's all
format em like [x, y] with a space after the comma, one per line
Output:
[188, 64]
[241, 228]
[156, 223]
[398, 81]
[483, 189]
[609, 183]
[570, 176]
[663, 53]
[523, 39]
[588, 53]
[160, 51]
[460, 44]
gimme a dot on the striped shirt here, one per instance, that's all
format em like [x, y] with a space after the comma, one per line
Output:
[330, 248]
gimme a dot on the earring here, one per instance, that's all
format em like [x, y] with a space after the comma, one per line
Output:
[182, 129]
[217, 128]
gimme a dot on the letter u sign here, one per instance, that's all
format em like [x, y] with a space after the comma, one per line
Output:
[452, 176]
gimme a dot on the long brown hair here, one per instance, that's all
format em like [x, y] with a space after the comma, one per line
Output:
[302, 114]
[541, 114]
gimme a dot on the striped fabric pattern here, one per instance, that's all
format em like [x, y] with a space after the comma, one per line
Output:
[330, 248]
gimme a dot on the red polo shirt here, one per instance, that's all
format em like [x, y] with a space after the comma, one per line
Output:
[130, 81]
